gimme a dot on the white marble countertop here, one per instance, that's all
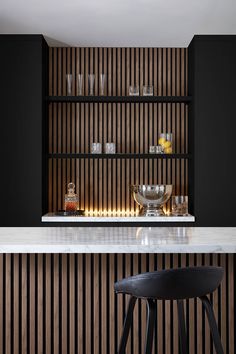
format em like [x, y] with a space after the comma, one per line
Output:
[118, 240]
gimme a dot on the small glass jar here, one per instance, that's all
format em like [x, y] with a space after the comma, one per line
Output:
[134, 90]
[165, 140]
[71, 199]
[96, 148]
[148, 90]
[180, 205]
[110, 148]
[158, 149]
[152, 149]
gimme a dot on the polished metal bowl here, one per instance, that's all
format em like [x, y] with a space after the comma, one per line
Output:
[151, 198]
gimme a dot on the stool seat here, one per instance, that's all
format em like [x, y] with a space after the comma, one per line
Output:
[172, 284]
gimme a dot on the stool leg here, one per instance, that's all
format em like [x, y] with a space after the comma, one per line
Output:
[127, 325]
[182, 329]
[150, 325]
[213, 326]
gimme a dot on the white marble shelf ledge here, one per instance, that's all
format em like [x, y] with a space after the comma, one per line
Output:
[118, 240]
[52, 217]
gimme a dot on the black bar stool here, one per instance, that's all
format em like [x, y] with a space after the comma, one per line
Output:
[171, 284]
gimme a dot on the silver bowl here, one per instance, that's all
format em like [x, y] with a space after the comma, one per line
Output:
[151, 198]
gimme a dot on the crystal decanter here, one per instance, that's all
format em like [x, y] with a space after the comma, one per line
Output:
[71, 199]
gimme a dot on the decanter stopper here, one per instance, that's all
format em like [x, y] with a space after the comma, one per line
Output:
[71, 189]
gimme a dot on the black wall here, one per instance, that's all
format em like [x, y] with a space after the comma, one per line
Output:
[212, 83]
[23, 75]
[212, 121]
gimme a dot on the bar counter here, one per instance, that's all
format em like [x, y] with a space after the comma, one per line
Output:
[57, 287]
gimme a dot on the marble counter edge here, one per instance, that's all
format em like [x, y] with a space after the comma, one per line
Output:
[117, 240]
[113, 249]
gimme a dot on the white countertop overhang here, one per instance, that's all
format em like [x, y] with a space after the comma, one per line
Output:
[118, 240]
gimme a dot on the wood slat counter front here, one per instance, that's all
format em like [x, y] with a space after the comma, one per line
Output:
[56, 288]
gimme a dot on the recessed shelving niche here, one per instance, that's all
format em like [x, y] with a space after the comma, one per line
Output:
[133, 123]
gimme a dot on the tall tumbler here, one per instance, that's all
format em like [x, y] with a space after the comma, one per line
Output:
[102, 84]
[80, 84]
[180, 205]
[69, 81]
[91, 78]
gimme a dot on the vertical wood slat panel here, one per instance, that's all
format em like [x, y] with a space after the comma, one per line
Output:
[16, 315]
[56, 319]
[48, 313]
[8, 304]
[96, 304]
[80, 299]
[24, 298]
[66, 303]
[31, 296]
[73, 127]
[40, 309]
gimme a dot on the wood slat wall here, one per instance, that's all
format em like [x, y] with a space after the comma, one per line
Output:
[54, 304]
[104, 184]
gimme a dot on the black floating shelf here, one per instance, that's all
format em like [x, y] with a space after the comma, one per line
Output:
[120, 99]
[119, 156]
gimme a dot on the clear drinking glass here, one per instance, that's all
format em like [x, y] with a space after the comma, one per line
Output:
[110, 148]
[91, 79]
[80, 84]
[69, 81]
[165, 140]
[180, 205]
[152, 149]
[96, 148]
[158, 149]
[134, 90]
[148, 90]
[102, 84]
